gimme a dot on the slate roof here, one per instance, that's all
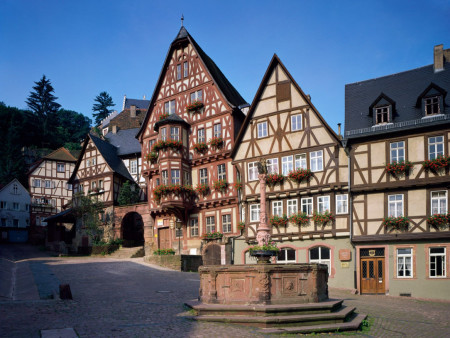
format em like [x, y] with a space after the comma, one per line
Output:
[125, 141]
[60, 154]
[140, 104]
[404, 89]
[172, 118]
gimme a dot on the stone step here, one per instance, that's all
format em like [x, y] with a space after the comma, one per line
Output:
[351, 325]
[126, 252]
[275, 321]
[265, 310]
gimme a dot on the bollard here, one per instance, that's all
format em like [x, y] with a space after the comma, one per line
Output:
[64, 291]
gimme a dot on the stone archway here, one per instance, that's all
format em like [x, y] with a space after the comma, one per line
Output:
[132, 229]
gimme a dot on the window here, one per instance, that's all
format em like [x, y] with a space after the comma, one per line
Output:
[15, 223]
[93, 185]
[262, 129]
[201, 135]
[210, 224]
[437, 262]
[48, 183]
[175, 133]
[226, 223]
[185, 69]
[194, 227]
[307, 205]
[272, 166]
[187, 178]
[316, 160]
[15, 189]
[133, 166]
[197, 96]
[60, 167]
[37, 183]
[404, 263]
[287, 164]
[252, 171]
[277, 208]
[100, 184]
[296, 122]
[150, 144]
[175, 176]
[397, 151]
[382, 115]
[3, 205]
[320, 255]
[292, 207]
[323, 204]
[204, 176]
[432, 105]
[157, 182]
[93, 161]
[68, 186]
[3, 222]
[221, 173]
[300, 161]
[169, 107]
[15, 206]
[342, 204]
[165, 177]
[163, 134]
[395, 205]
[88, 163]
[179, 71]
[27, 207]
[286, 255]
[254, 212]
[217, 130]
[438, 202]
[435, 147]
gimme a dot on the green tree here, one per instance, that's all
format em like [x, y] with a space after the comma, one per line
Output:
[101, 107]
[43, 104]
[128, 194]
[72, 129]
[89, 209]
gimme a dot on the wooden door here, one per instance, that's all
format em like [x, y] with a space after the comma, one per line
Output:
[164, 238]
[372, 275]
[212, 254]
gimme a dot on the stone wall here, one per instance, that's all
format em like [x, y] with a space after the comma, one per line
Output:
[176, 262]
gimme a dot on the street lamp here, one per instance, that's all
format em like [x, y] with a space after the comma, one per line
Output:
[179, 225]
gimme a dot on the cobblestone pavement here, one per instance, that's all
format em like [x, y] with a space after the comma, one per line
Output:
[128, 298]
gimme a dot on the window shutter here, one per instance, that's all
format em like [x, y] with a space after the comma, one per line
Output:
[283, 91]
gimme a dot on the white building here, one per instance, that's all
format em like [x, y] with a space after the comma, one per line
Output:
[14, 205]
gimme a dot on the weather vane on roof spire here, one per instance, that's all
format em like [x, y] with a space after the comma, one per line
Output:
[182, 19]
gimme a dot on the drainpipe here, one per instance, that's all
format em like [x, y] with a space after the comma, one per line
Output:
[233, 238]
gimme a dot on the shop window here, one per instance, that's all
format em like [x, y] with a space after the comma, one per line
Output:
[286, 255]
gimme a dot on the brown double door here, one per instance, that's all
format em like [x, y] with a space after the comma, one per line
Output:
[164, 238]
[372, 275]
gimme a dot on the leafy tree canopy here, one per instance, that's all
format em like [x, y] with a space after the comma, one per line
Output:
[129, 194]
[101, 107]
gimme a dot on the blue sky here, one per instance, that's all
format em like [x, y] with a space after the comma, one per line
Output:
[86, 47]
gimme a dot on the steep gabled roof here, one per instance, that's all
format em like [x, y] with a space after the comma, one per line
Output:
[140, 104]
[125, 141]
[61, 154]
[273, 63]
[230, 93]
[14, 180]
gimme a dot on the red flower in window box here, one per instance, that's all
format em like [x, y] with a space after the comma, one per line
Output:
[323, 218]
[216, 142]
[299, 175]
[152, 157]
[278, 220]
[163, 116]
[439, 162]
[238, 185]
[299, 219]
[212, 235]
[273, 179]
[175, 145]
[439, 220]
[398, 223]
[194, 107]
[159, 145]
[200, 148]
[399, 168]
[202, 189]
[241, 225]
[221, 185]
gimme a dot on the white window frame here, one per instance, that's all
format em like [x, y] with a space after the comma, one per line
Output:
[287, 164]
[194, 227]
[342, 204]
[133, 166]
[218, 130]
[185, 69]
[201, 135]
[48, 184]
[262, 129]
[164, 177]
[272, 165]
[175, 133]
[277, 208]
[300, 161]
[254, 212]
[60, 167]
[323, 203]
[179, 71]
[163, 134]
[395, 204]
[439, 202]
[210, 224]
[222, 172]
[321, 260]
[203, 173]
[292, 207]
[252, 171]
[226, 223]
[36, 183]
[296, 122]
[286, 260]
[175, 176]
[197, 96]
[401, 262]
[433, 262]
[316, 160]
[397, 151]
[307, 205]
[435, 147]
[169, 107]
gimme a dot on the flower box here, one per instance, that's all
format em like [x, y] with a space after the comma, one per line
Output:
[163, 116]
[273, 179]
[212, 235]
[163, 145]
[439, 162]
[399, 168]
[175, 189]
[299, 219]
[238, 185]
[220, 185]
[323, 218]
[398, 223]
[194, 107]
[152, 157]
[299, 175]
[200, 148]
[159, 145]
[164, 252]
[216, 142]
[438, 220]
[202, 189]
[278, 220]
[241, 225]
[272, 246]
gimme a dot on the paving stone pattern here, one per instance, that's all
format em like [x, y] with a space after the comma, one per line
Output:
[129, 298]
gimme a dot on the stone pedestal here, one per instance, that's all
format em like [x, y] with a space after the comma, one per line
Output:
[263, 284]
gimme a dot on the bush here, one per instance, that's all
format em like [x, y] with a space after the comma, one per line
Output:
[162, 252]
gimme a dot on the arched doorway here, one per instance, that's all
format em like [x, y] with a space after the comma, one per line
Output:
[132, 230]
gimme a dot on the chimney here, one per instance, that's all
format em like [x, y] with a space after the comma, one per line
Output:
[309, 97]
[114, 129]
[339, 130]
[438, 58]
[133, 111]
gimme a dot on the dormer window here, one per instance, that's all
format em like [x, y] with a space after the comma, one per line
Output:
[432, 105]
[382, 115]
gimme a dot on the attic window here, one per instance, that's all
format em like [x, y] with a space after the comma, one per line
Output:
[432, 105]
[382, 115]
[283, 91]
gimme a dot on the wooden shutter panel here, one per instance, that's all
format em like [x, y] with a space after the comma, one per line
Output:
[283, 91]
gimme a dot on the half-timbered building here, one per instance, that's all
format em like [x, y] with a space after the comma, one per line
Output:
[397, 130]
[186, 138]
[307, 178]
[50, 190]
